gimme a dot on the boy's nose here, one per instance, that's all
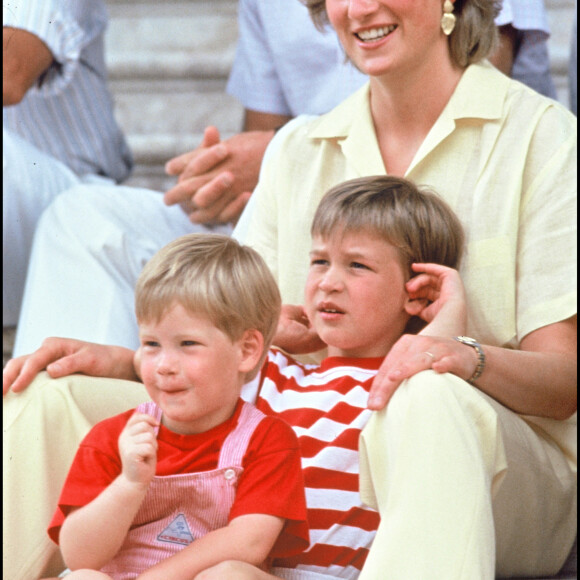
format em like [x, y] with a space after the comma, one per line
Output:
[166, 364]
[331, 281]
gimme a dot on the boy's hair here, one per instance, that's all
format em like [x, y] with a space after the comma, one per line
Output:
[414, 220]
[212, 275]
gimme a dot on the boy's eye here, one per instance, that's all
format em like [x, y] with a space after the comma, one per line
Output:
[318, 262]
[188, 343]
[150, 343]
[358, 265]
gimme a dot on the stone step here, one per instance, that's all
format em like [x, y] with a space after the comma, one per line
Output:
[168, 65]
[560, 17]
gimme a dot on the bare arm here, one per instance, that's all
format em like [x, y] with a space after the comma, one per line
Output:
[538, 379]
[248, 538]
[65, 356]
[215, 181]
[257, 121]
[91, 535]
[24, 59]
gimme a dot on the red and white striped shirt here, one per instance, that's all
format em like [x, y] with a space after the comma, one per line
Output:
[326, 407]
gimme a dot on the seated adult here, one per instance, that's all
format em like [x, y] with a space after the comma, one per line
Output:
[59, 127]
[470, 481]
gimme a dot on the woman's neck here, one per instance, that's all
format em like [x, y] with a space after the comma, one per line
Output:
[405, 107]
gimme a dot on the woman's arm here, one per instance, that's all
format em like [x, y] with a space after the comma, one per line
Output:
[538, 379]
[248, 538]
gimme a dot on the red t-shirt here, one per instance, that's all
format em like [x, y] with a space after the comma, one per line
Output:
[271, 482]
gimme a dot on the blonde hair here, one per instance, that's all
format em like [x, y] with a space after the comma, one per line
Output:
[212, 275]
[414, 220]
[473, 38]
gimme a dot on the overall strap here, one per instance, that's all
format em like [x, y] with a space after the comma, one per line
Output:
[236, 443]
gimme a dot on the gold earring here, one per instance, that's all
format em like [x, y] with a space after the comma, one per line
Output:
[448, 19]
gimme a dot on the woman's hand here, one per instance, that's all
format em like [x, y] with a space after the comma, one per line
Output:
[295, 334]
[65, 356]
[438, 297]
[539, 378]
[412, 354]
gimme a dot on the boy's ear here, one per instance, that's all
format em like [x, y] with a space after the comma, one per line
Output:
[414, 306]
[252, 348]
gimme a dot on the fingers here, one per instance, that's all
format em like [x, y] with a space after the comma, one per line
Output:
[215, 194]
[204, 161]
[138, 447]
[184, 190]
[409, 356]
[233, 211]
[211, 136]
[20, 372]
[79, 362]
[209, 195]
[178, 164]
[141, 422]
[406, 358]
[14, 377]
[429, 268]
[388, 380]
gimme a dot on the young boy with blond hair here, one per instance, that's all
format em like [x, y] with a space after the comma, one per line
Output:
[195, 476]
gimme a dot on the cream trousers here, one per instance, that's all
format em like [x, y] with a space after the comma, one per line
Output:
[463, 485]
[466, 488]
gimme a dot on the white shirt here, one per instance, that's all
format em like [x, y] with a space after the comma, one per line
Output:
[70, 115]
[286, 66]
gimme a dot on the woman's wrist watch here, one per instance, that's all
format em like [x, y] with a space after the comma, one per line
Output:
[480, 356]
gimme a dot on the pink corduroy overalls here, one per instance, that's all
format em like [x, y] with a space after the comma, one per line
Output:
[178, 509]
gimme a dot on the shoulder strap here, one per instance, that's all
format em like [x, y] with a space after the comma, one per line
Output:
[236, 443]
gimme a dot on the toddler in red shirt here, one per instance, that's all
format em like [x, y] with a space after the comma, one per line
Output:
[196, 476]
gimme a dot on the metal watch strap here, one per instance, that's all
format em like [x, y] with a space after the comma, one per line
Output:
[467, 340]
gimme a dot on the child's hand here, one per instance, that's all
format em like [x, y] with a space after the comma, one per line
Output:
[295, 333]
[438, 297]
[138, 448]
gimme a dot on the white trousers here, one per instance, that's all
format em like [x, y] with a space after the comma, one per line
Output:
[31, 180]
[89, 249]
[465, 487]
